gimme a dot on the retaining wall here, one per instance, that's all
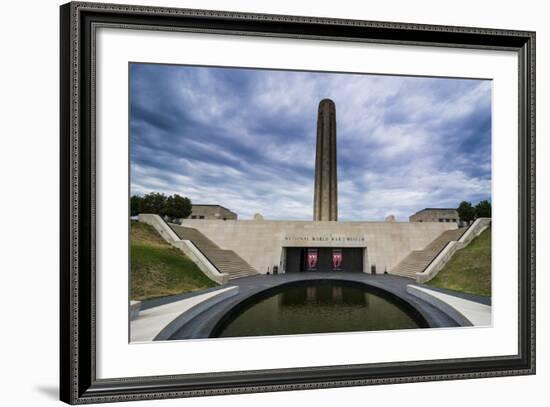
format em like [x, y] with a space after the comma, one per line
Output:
[186, 246]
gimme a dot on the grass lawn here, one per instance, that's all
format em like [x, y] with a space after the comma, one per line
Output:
[159, 269]
[469, 270]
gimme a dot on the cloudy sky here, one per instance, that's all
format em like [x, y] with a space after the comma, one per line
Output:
[245, 139]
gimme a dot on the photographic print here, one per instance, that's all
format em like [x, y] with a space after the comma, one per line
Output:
[281, 202]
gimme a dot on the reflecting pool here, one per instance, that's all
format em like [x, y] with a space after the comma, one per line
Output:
[319, 307]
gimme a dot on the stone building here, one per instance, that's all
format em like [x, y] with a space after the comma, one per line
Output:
[363, 246]
[216, 212]
[436, 215]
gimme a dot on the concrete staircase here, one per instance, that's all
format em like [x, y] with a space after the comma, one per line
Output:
[226, 261]
[418, 260]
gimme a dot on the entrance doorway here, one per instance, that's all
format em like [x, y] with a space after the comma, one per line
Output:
[302, 259]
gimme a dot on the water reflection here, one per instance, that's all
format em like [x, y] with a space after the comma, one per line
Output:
[318, 308]
[323, 294]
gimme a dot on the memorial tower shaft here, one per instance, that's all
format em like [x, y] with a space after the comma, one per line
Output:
[325, 200]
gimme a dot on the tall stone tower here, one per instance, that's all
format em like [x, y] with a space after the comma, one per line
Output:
[325, 200]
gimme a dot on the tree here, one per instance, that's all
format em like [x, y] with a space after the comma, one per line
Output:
[153, 202]
[466, 212]
[176, 207]
[136, 203]
[483, 209]
[171, 207]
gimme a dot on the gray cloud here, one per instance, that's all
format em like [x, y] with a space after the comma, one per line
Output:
[245, 138]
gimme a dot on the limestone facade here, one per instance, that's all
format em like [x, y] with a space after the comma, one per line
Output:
[261, 243]
[216, 212]
[436, 215]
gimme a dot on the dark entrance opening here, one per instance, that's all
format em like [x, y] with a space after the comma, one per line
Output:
[301, 259]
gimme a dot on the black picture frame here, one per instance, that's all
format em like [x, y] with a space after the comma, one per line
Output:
[78, 382]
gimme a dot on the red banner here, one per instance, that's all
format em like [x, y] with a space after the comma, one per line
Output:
[311, 259]
[337, 259]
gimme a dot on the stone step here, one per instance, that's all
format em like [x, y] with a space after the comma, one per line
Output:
[238, 267]
[236, 277]
[242, 272]
[226, 261]
[418, 260]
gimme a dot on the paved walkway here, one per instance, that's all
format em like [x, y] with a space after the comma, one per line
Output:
[160, 322]
[476, 313]
[202, 325]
